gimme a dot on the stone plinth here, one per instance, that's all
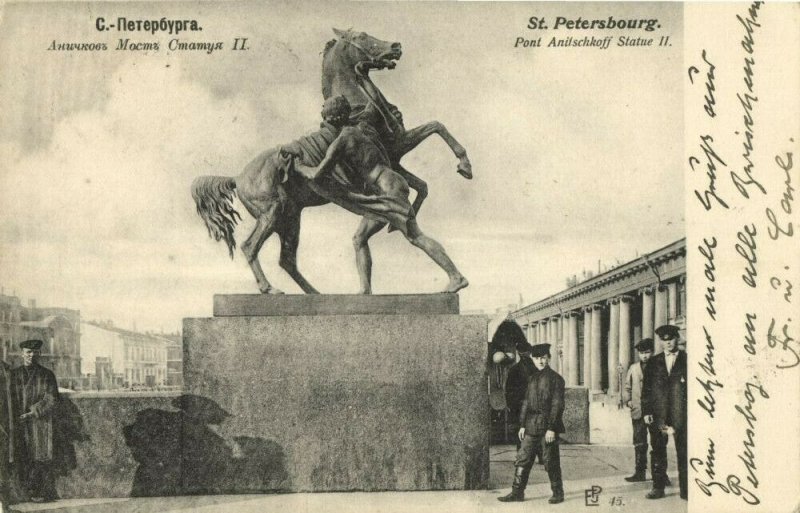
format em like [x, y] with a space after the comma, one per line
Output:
[346, 402]
[238, 305]
[91, 426]
[576, 415]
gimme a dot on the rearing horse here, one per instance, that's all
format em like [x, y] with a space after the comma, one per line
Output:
[276, 197]
[353, 82]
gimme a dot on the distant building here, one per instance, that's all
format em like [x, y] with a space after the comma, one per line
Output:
[58, 328]
[103, 377]
[495, 316]
[10, 309]
[115, 357]
[174, 360]
[593, 325]
[103, 352]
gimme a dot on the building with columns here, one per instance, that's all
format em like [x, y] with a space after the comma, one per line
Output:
[58, 328]
[593, 325]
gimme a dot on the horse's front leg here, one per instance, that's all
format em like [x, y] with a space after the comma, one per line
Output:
[412, 138]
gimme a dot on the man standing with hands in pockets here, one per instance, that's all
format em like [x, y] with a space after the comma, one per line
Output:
[541, 421]
[633, 397]
[664, 407]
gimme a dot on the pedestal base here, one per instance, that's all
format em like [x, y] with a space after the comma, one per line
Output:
[343, 402]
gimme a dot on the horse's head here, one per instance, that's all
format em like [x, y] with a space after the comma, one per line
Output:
[361, 47]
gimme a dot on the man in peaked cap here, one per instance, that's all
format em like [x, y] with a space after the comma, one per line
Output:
[633, 398]
[35, 395]
[541, 421]
[664, 407]
[668, 332]
[517, 382]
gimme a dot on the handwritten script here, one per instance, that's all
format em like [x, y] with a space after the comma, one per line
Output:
[743, 258]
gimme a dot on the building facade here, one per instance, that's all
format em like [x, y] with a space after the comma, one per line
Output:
[120, 358]
[58, 328]
[593, 325]
[174, 360]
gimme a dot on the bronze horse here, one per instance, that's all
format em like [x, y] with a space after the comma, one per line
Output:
[276, 200]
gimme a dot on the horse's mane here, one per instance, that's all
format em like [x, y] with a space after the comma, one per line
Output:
[327, 75]
[328, 47]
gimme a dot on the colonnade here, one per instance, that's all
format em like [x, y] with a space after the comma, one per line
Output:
[658, 306]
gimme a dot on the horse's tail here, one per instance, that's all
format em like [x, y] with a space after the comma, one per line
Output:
[213, 196]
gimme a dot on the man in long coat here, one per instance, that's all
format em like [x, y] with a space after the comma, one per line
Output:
[541, 421]
[35, 395]
[664, 406]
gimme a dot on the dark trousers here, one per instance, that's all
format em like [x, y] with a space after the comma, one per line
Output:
[640, 444]
[5, 496]
[680, 446]
[513, 424]
[658, 441]
[40, 480]
[658, 456]
[549, 454]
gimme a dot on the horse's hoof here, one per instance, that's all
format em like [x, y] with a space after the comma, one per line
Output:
[272, 290]
[465, 171]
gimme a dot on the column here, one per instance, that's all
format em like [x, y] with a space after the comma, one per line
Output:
[661, 306]
[561, 336]
[647, 312]
[613, 346]
[597, 363]
[564, 348]
[561, 333]
[555, 361]
[625, 341]
[529, 331]
[572, 349]
[587, 347]
[672, 302]
[540, 332]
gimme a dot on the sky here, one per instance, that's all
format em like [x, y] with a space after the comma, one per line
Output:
[577, 153]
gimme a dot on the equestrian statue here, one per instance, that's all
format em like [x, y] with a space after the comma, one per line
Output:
[361, 172]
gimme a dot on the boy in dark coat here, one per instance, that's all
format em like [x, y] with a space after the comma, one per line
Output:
[541, 421]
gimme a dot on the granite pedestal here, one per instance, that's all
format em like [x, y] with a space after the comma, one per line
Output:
[353, 397]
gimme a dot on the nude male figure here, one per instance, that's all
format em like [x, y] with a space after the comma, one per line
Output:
[384, 195]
